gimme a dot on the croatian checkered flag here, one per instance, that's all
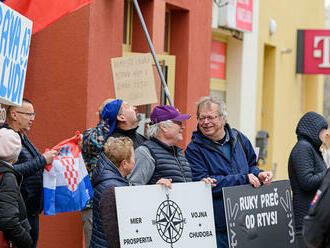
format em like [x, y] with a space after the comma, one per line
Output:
[66, 182]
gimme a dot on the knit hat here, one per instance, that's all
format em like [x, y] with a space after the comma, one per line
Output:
[110, 112]
[10, 145]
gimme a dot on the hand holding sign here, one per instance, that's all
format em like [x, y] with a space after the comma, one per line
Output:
[254, 180]
[265, 177]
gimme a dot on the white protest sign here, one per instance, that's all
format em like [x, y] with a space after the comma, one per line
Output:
[154, 217]
[133, 78]
[15, 37]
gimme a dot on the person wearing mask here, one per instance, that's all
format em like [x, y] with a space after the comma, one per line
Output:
[13, 219]
[306, 166]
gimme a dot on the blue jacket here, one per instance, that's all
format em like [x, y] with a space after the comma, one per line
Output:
[206, 160]
[105, 174]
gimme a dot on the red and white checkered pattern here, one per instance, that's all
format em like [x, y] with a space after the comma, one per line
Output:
[70, 174]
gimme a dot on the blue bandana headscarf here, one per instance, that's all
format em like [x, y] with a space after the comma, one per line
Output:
[110, 112]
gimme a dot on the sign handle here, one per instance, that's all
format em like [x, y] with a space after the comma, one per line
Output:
[167, 93]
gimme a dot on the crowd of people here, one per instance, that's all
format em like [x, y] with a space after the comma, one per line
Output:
[115, 154]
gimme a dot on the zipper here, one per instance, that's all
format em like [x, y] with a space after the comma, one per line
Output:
[180, 165]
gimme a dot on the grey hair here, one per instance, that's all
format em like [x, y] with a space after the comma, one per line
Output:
[153, 130]
[208, 100]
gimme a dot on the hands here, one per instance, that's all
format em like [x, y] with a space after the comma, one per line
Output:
[49, 156]
[166, 182]
[254, 180]
[210, 181]
[80, 139]
[265, 177]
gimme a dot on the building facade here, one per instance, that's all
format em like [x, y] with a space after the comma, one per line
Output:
[283, 96]
[69, 73]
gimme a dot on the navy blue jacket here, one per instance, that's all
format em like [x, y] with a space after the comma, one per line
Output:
[105, 174]
[206, 160]
[30, 165]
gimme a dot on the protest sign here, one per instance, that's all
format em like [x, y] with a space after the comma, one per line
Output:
[259, 217]
[133, 78]
[162, 218]
[15, 40]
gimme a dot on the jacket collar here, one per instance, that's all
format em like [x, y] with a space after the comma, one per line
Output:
[171, 149]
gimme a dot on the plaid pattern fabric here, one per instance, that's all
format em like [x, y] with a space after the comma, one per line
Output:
[93, 140]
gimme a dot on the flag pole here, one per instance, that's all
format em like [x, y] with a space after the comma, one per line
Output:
[167, 93]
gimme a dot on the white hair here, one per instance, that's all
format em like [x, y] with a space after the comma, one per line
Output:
[153, 129]
[208, 100]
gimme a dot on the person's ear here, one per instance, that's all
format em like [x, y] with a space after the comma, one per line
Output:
[13, 114]
[123, 164]
[121, 117]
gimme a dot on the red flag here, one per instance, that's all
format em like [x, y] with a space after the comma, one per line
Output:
[45, 12]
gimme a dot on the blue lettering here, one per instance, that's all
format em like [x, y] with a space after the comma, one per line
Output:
[0, 15]
[17, 82]
[11, 79]
[17, 37]
[12, 28]
[4, 33]
[2, 87]
[24, 42]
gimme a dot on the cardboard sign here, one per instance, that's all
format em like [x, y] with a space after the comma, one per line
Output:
[15, 40]
[259, 217]
[162, 218]
[133, 78]
[313, 51]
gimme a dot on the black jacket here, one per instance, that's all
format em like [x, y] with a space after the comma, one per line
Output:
[169, 162]
[31, 165]
[317, 222]
[306, 165]
[137, 138]
[13, 220]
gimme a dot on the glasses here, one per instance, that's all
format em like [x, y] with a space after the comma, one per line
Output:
[209, 117]
[178, 123]
[28, 114]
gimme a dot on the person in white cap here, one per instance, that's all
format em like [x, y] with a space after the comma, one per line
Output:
[30, 164]
[13, 219]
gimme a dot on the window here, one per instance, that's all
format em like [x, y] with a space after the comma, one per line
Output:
[128, 25]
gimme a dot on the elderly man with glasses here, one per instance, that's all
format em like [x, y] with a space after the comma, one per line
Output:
[30, 163]
[160, 157]
[222, 153]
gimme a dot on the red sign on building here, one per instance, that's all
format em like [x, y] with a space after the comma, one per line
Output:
[313, 51]
[244, 15]
[236, 14]
[218, 60]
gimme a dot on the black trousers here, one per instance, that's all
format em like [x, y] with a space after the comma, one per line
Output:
[34, 223]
